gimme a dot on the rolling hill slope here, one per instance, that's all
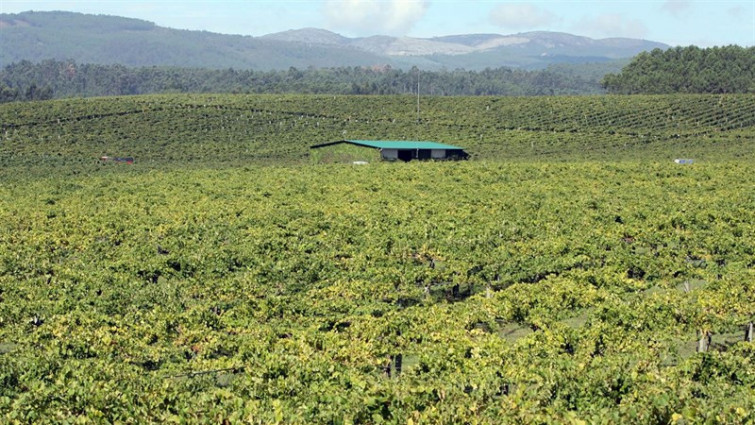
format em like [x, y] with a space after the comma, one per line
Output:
[36, 36]
[235, 129]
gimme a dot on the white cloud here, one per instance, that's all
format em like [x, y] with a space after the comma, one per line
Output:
[611, 25]
[676, 7]
[370, 17]
[521, 16]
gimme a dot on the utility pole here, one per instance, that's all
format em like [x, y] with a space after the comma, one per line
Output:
[417, 95]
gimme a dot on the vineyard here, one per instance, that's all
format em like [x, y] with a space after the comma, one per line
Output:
[570, 272]
[227, 129]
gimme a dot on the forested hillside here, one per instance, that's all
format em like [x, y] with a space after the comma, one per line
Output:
[729, 69]
[102, 39]
[680, 70]
[59, 79]
[109, 40]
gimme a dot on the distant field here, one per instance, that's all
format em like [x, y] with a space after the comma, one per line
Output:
[227, 129]
[565, 274]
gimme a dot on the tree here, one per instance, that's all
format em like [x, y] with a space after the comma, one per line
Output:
[7, 94]
[729, 69]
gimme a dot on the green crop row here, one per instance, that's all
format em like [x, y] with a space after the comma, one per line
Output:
[511, 292]
[569, 273]
[223, 129]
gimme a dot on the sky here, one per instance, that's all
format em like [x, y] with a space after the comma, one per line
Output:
[674, 22]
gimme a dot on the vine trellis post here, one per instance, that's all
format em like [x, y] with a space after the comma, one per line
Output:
[704, 342]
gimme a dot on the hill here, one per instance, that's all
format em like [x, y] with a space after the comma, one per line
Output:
[529, 44]
[98, 39]
[36, 36]
[238, 129]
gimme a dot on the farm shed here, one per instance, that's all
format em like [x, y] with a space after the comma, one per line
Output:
[392, 150]
[127, 160]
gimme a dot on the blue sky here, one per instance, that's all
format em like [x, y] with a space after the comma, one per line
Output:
[677, 22]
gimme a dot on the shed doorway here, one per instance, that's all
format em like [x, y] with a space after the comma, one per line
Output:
[405, 155]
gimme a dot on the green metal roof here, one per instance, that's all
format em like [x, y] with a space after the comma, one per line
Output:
[401, 144]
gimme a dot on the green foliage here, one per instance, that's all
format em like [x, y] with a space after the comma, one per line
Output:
[729, 69]
[162, 131]
[208, 284]
[69, 79]
[344, 154]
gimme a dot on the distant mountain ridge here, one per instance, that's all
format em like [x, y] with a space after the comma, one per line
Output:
[101, 39]
[539, 42]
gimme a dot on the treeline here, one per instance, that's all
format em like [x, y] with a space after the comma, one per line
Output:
[729, 69]
[30, 92]
[61, 79]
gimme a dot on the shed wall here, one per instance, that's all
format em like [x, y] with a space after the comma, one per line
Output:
[390, 154]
